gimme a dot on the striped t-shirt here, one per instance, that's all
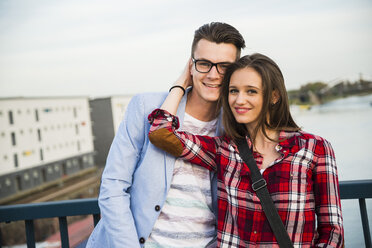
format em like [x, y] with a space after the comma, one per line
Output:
[186, 219]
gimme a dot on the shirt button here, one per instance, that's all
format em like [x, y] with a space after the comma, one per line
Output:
[255, 232]
[142, 240]
[157, 208]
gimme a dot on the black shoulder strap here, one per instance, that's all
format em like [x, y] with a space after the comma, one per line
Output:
[259, 186]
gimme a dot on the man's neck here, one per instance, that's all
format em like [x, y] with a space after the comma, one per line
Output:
[200, 109]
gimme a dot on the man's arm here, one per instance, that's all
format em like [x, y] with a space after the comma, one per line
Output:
[114, 197]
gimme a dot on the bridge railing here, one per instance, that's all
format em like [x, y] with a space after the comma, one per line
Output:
[358, 189]
[60, 209]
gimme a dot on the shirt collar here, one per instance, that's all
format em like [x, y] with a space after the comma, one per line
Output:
[287, 139]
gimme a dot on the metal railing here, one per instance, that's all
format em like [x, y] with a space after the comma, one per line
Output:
[358, 189]
[60, 209]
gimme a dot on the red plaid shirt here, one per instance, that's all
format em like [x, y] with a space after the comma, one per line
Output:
[302, 182]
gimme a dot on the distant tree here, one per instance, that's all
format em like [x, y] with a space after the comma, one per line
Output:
[315, 87]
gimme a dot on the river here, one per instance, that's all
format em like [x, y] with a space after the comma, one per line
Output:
[347, 124]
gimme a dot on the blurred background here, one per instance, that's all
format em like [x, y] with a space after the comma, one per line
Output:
[69, 68]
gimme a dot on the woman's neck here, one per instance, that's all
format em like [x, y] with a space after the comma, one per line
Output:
[263, 144]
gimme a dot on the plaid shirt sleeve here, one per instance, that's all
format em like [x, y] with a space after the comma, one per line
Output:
[327, 200]
[197, 149]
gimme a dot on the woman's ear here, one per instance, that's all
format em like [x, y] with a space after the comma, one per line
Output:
[274, 97]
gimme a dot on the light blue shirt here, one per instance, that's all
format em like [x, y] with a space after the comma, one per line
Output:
[136, 179]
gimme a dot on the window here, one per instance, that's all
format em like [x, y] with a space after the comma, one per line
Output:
[36, 115]
[15, 158]
[26, 177]
[39, 134]
[43, 174]
[76, 129]
[78, 145]
[11, 121]
[12, 135]
[41, 154]
[18, 183]
[75, 112]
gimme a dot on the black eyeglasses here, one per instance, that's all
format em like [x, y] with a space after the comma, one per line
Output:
[204, 66]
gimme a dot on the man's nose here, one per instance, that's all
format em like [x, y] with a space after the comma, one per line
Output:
[213, 73]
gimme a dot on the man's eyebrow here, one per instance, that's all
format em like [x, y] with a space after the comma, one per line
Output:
[203, 59]
[223, 62]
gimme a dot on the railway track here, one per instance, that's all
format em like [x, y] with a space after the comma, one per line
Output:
[64, 188]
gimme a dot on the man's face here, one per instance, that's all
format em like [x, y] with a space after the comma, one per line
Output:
[207, 86]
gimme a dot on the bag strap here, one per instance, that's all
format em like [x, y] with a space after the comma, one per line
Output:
[259, 186]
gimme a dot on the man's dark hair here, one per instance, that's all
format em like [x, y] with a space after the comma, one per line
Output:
[219, 32]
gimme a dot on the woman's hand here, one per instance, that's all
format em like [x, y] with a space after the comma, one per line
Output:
[185, 79]
[174, 97]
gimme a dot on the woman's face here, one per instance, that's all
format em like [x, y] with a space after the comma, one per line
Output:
[246, 96]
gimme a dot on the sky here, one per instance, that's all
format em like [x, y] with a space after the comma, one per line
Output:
[118, 47]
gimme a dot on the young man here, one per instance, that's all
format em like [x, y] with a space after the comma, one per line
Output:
[147, 197]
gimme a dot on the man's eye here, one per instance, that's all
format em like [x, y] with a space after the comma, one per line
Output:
[224, 66]
[205, 64]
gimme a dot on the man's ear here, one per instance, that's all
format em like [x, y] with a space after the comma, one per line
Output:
[190, 67]
[275, 97]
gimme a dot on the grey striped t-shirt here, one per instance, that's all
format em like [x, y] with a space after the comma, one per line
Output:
[186, 219]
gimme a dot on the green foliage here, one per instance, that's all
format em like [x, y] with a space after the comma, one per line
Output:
[320, 92]
[314, 87]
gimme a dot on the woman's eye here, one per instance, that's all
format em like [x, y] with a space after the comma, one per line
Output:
[252, 91]
[232, 91]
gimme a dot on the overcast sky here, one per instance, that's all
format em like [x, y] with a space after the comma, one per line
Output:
[112, 47]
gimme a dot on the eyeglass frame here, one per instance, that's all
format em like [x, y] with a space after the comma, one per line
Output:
[212, 64]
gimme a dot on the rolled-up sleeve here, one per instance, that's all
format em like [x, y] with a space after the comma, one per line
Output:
[197, 149]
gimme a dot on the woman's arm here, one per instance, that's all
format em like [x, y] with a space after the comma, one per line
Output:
[197, 149]
[327, 197]
[174, 97]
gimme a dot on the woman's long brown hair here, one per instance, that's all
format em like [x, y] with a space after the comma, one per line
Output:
[272, 81]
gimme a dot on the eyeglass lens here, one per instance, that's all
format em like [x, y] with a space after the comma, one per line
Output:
[205, 66]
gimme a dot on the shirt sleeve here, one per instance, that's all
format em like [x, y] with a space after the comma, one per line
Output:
[197, 149]
[327, 197]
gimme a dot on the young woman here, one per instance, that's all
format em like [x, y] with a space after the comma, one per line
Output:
[299, 167]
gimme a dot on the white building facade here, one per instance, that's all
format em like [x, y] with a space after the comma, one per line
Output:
[42, 139]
